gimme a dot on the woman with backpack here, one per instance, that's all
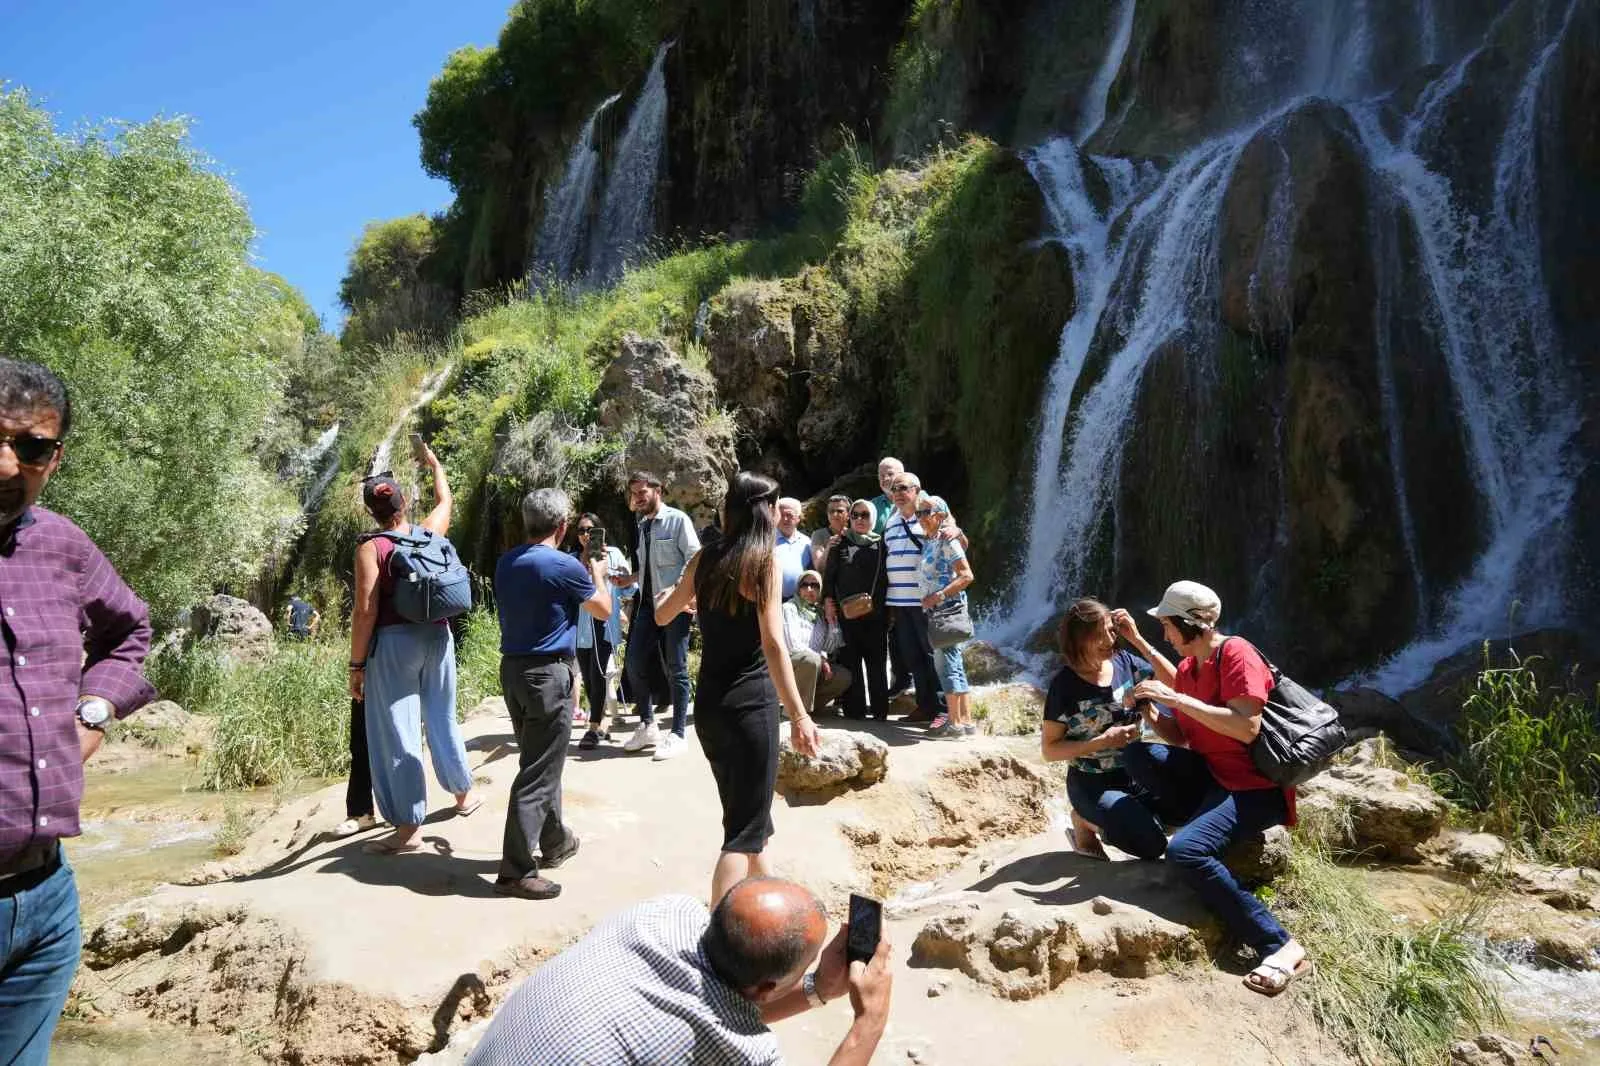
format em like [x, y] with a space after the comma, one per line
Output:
[405, 671]
[1203, 777]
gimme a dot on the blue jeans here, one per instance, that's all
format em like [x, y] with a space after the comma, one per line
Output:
[1114, 804]
[671, 642]
[916, 655]
[1184, 791]
[951, 670]
[38, 957]
[411, 682]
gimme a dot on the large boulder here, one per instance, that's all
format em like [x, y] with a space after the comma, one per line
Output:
[241, 631]
[1559, 658]
[845, 759]
[1009, 710]
[666, 415]
[1365, 809]
[987, 664]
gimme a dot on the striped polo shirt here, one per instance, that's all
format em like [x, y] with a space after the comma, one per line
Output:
[904, 561]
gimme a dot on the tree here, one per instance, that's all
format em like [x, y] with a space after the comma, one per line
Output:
[388, 288]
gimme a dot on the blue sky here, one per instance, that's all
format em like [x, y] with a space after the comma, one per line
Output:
[305, 105]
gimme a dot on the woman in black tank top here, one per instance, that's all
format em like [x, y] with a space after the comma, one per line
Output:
[744, 673]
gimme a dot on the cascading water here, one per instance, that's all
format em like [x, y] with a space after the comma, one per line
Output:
[1094, 104]
[566, 208]
[627, 211]
[431, 386]
[1152, 279]
[322, 458]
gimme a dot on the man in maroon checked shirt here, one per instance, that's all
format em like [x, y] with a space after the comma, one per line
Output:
[75, 640]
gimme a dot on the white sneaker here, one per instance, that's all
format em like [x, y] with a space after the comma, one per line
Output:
[648, 735]
[670, 747]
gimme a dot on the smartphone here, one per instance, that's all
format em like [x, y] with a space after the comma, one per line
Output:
[418, 449]
[597, 544]
[866, 927]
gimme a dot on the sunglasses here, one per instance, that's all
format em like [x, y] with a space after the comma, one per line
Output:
[809, 585]
[925, 512]
[31, 450]
[583, 531]
[860, 514]
[898, 489]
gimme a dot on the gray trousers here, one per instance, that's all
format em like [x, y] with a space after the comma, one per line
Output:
[539, 692]
[808, 679]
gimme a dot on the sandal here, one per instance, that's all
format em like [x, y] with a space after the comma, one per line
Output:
[1271, 978]
[462, 812]
[390, 846]
[351, 826]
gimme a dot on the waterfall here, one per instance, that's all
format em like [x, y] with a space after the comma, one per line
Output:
[1174, 231]
[566, 207]
[431, 386]
[627, 211]
[1094, 104]
[1513, 390]
[322, 458]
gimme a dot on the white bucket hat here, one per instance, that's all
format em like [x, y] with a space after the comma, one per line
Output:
[1190, 601]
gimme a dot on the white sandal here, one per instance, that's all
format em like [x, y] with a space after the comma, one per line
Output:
[351, 826]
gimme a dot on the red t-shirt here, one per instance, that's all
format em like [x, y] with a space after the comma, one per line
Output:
[1241, 672]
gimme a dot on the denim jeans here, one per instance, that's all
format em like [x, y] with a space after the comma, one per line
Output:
[38, 957]
[916, 655]
[1184, 791]
[1117, 807]
[411, 683]
[951, 670]
[671, 642]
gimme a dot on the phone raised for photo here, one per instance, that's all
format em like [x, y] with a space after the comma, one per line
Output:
[419, 450]
[597, 544]
[866, 927]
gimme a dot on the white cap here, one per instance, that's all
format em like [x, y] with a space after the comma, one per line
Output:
[1190, 601]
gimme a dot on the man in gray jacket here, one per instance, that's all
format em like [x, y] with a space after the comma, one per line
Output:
[666, 543]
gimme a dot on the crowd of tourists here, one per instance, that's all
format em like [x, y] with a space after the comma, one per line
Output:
[791, 625]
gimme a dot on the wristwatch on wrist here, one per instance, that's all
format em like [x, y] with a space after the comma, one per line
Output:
[94, 712]
[809, 985]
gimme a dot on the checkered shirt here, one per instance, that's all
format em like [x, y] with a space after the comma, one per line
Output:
[72, 627]
[635, 991]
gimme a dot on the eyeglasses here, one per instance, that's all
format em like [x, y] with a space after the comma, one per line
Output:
[809, 585]
[31, 450]
[898, 489]
[925, 512]
[860, 514]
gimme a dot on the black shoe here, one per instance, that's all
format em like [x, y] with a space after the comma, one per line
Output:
[590, 741]
[550, 862]
[531, 887]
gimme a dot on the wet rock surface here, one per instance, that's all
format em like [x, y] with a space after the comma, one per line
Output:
[987, 664]
[845, 759]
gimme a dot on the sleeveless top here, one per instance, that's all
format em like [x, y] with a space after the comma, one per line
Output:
[387, 615]
[733, 671]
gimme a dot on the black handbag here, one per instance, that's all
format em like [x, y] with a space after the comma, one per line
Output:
[1300, 734]
[949, 624]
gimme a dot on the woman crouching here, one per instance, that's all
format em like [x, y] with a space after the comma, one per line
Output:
[1090, 718]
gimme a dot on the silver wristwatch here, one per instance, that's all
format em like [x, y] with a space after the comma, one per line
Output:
[94, 712]
[809, 985]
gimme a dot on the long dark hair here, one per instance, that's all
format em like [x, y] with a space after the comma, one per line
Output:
[1086, 618]
[577, 545]
[741, 561]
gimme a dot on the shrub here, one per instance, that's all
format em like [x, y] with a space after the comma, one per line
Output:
[1386, 992]
[1530, 763]
[477, 659]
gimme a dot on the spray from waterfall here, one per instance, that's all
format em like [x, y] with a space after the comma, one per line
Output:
[627, 211]
[566, 208]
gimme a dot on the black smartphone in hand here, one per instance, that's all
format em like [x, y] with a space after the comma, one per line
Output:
[597, 544]
[866, 928]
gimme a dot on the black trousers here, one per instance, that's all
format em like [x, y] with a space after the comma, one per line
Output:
[866, 646]
[358, 791]
[593, 662]
[539, 691]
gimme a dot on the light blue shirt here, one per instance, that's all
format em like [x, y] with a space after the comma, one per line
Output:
[616, 563]
[794, 558]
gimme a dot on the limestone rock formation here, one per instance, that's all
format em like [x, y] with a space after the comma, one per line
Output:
[987, 664]
[1262, 858]
[1013, 709]
[1025, 952]
[845, 759]
[1368, 810]
[666, 415]
[1468, 853]
[1489, 1049]
[241, 631]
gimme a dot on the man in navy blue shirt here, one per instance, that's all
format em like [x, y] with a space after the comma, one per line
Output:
[539, 590]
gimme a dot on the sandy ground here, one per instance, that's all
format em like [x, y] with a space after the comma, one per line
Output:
[408, 927]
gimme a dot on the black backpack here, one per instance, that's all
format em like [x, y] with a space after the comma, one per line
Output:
[1300, 734]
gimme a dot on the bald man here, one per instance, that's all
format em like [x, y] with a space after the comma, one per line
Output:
[668, 982]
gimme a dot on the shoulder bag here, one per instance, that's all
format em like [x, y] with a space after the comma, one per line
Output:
[1300, 733]
[859, 605]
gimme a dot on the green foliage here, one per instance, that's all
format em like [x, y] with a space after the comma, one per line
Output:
[125, 267]
[278, 721]
[388, 288]
[477, 659]
[1530, 763]
[1387, 993]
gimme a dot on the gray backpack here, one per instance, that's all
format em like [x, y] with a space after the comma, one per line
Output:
[430, 582]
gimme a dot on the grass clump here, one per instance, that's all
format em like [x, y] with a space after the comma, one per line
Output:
[477, 659]
[1387, 993]
[1530, 764]
[277, 721]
